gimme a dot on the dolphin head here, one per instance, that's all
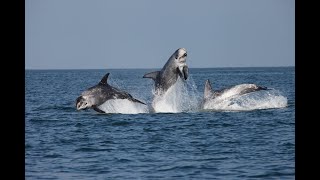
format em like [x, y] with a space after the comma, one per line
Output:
[84, 102]
[180, 58]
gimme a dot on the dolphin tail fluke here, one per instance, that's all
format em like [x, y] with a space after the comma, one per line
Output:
[152, 75]
[207, 89]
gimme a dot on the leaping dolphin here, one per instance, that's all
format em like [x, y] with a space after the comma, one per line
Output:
[99, 94]
[176, 66]
[210, 94]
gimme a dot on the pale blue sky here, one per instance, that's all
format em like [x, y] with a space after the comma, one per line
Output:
[104, 34]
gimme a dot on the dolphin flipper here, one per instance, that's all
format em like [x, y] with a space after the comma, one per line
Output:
[183, 73]
[152, 75]
[125, 95]
[133, 99]
[136, 100]
[97, 109]
[262, 88]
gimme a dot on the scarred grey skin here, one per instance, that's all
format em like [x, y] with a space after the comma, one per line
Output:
[176, 66]
[99, 94]
[210, 94]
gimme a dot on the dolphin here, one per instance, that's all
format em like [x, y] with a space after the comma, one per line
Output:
[210, 94]
[94, 96]
[175, 67]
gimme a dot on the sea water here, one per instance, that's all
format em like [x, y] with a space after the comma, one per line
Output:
[172, 137]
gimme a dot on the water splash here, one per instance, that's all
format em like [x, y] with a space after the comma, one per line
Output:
[181, 97]
[123, 106]
[251, 101]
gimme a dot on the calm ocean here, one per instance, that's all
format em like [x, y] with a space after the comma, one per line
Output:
[245, 143]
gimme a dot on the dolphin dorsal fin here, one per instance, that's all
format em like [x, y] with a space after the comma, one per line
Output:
[152, 75]
[104, 80]
[207, 89]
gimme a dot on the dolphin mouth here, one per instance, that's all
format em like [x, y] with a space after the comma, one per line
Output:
[81, 108]
[79, 103]
[78, 106]
[183, 58]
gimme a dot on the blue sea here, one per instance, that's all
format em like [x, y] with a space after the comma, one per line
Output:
[248, 138]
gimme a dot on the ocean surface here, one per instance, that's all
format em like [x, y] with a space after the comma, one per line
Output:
[247, 137]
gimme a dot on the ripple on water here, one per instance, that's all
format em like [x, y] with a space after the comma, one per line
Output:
[62, 143]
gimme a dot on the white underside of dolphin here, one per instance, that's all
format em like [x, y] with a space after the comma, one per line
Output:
[123, 106]
[242, 97]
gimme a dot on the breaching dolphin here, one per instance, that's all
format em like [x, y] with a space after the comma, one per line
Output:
[210, 94]
[99, 94]
[176, 66]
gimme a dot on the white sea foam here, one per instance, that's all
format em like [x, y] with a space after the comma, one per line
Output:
[181, 97]
[251, 101]
[184, 97]
[123, 106]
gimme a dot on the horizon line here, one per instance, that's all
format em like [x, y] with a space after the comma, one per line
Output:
[157, 68]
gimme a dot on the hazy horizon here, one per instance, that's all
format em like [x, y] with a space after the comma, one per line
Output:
[141, 34]
[161, 67]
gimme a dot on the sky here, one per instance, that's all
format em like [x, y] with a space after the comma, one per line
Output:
[111, 34]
